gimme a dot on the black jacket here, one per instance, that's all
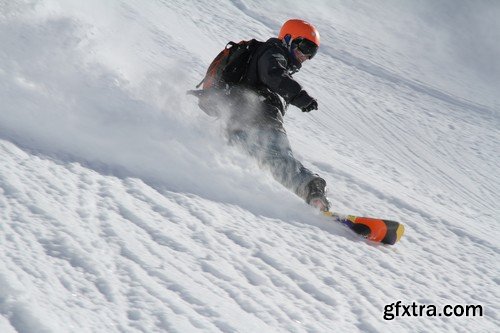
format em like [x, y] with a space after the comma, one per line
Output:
[270, 74]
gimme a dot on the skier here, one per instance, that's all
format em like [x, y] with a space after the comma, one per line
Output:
[258, 103]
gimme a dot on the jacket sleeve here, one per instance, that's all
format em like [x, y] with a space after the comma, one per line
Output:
[272, 70]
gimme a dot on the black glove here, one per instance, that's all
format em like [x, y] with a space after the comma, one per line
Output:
[304, 102]
[312, 106]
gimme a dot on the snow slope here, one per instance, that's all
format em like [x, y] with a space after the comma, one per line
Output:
[123, 210]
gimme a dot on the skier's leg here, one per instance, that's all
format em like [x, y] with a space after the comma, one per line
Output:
[262, 135]
[277, 154]
[290, 172]
[271, 148]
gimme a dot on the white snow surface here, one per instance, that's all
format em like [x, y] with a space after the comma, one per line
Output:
[122, 209]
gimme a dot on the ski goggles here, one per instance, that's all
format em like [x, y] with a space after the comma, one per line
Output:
[306, 47]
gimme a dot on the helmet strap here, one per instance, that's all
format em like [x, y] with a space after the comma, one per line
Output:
[287, 40]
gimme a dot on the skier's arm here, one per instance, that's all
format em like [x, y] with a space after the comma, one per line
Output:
[272, 69]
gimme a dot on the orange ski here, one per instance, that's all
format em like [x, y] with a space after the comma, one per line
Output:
[377, 230]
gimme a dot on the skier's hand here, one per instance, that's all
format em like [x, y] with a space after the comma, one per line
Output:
[304, 102]
[312, 106]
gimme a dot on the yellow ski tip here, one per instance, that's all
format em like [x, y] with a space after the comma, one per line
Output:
[399, 232]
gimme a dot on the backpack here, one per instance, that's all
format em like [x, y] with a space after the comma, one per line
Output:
[231, 65]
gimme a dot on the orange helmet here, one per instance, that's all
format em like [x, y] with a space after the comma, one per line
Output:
[299, 29]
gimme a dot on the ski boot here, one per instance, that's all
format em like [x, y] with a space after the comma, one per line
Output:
[316, 195]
